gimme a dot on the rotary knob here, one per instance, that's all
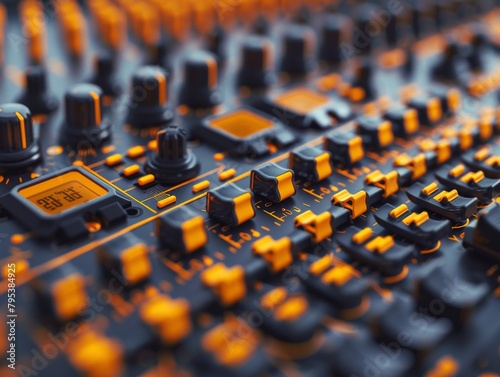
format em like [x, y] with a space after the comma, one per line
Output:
[18, 148]
[363, 78]
[478, 45]
[158, 54]
[364, 39]
[421, 19]
[147, 106]
[84, 121]
[260, 26]
[444, 13]
[216, 42]
[104, 68]
[298, 57]
[257, 62]
[397, 27]
[36, 95]
[334, 33]
[172, 163]
[199, 89]
[452, 66]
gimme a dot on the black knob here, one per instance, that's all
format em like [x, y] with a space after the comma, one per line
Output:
[364, 78]
[422, 19]
[452, 65]
[298, 56]
[334, 33]
[366, 28]
[84, 121]
[478, 44]
[199, 89]
[171, 143]
[104, 75]
[397, 25]
[444, 14]
[18, 148]
[172, 163]
[480, 37]
[409, 65]
[36, 95]
[260, 25]
[158, 54]
[147, 106]
[302, 15]
[256, 63]
[216, 44]
[391, 30]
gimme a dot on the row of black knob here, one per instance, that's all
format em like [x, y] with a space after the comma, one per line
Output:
[19, 149]
[170, 163]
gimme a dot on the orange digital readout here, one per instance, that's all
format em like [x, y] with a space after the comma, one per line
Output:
[241, 124]
[58, 194]
[301, 100]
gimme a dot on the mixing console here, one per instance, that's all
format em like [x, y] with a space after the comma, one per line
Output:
[250, 188]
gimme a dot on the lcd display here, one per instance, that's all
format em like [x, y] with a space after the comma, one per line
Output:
[58, 194]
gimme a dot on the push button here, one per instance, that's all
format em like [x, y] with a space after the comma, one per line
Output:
[273, 182]
[230, 204]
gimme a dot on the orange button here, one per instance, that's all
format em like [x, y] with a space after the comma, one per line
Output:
[146, 180]
[136, 151]
[131, 170]
[114, 159]
[166, 202]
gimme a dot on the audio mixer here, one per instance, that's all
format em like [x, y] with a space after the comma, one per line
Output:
[250, 188]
